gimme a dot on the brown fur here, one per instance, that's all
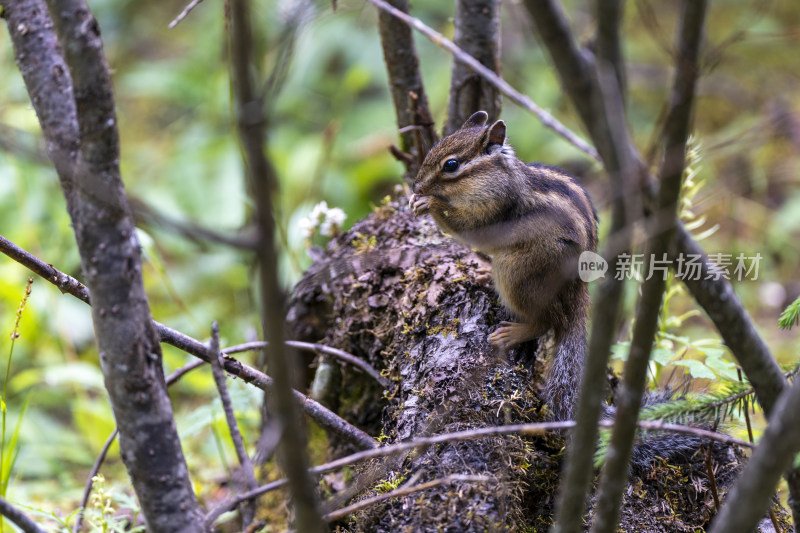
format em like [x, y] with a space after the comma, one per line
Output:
[534, 221]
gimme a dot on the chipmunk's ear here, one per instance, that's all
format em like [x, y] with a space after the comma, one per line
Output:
[496, 134]
[478, 118]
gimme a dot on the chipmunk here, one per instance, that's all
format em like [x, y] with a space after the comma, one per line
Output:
[534, 221]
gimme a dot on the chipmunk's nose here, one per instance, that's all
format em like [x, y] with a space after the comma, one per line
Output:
[416, 188]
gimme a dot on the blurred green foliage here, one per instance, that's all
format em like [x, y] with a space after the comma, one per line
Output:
[330, 125]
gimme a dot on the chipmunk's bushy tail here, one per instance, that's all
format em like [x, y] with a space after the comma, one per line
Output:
[563, 375]
[562, 387]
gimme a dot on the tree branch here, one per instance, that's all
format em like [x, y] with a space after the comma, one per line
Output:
[72, 95]
[406, 86]
[634, 380]
[477, 32]
[609, 48]
[183, 14]
[251, 122]
[315, 410]
[19, 518]
[421, 443]
[317, 349]
[525, 102]
[402, 491]
[248, 511]
[745, 505]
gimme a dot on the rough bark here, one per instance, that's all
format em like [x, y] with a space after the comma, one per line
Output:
[477, 32]
[73, 99]
[410, 301]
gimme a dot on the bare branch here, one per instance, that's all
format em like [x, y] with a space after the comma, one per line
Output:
[22, 144]
[718, 299]
[248, 511]
[477, 32]
[183, 14]
[609, 48]
[437, 38]
[19, 518]
[634, 380]
[421, 443]
[146, 215]
[315, 410]
[73, 98]
[746, 503]
[317, 349]
[251, 122]
[405, 83]
[87, 489]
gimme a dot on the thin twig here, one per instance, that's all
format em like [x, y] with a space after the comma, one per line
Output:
[317, 349]
[520, 99]
[530, 430]
[248, 510]
[186, 10]
[147, 215]
[402, 491]
[67, 284]
[711, 477]
[87, 489]
[746, 407]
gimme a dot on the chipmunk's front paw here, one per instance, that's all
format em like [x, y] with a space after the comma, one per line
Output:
[483, 276]
[419, 204]
[510, 334]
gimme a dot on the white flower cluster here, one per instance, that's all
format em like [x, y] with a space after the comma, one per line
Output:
[328, 220]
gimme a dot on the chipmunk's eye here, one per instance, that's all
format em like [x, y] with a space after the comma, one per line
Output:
[451, 165]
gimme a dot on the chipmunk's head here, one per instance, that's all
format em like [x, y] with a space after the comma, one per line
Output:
[465, 159]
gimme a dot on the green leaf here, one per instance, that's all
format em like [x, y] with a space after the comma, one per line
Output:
[696, 369]
[662, 356]
[721, 367]
[620, 350]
